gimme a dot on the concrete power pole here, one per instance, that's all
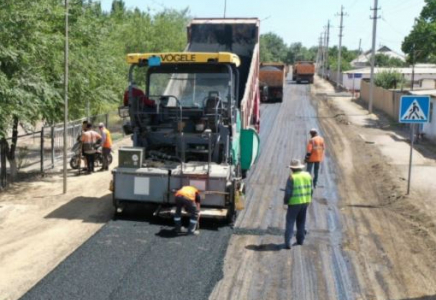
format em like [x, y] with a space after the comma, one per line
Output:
[319, 55]
[65, 99]
[374, 33]
[326, 51]
[341, 27]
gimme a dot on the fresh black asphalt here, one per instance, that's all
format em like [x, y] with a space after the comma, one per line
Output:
[139, 257]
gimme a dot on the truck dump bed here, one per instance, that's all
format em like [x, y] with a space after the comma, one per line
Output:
[239, 36]
[272, 74]
[303, 71]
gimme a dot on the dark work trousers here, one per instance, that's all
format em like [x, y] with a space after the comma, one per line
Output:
[90, 161]
[296, 213]
[191, 208]
[315, 166]
[105, 153]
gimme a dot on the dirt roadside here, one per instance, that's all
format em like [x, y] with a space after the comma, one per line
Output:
[40, 226]
[389, 237]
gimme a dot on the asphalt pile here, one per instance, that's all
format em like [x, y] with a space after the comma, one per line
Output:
[139, 259]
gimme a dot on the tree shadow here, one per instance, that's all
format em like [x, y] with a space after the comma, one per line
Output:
[265, 247]
[87, 209]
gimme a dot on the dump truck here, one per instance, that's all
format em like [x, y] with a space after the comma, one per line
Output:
[303, 71]
[271, 80]
[196, 121]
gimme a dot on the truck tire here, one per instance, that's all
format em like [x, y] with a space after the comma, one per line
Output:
[232, 213]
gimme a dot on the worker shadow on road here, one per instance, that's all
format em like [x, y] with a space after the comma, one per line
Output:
[87, 209]
[265, 247]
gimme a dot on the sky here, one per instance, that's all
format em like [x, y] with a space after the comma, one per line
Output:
[304, 20]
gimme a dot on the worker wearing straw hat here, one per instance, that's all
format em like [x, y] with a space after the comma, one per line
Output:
[298, 195]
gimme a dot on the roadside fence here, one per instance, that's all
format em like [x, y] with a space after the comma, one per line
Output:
[41, 151]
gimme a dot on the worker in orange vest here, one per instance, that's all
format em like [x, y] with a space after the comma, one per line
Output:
[106, 144]
[188, 197]
[315, 154]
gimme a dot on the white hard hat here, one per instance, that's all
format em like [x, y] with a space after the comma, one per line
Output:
[101, 124]
[314, 130]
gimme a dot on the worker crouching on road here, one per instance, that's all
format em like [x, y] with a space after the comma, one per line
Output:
[188, 197]
[298, 195]
[315, 154]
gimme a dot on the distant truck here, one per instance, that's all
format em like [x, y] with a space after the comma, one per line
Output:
[303, 71]
[271, 79]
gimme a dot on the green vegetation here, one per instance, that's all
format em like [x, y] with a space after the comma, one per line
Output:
[274, 49]
[32, 58]
[347, 57]
[389, 79]
[32, 55]
[383, 60]
[421, 40]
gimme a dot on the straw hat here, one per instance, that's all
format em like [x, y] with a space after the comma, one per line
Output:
[296, 164]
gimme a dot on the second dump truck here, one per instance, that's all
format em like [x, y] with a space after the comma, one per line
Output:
[271, 80]
[303, 71]
[196, 121]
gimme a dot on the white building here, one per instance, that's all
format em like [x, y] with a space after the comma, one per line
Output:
[363, 60]
[424, 77]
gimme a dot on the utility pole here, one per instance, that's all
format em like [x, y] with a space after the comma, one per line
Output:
[323, 53]
[225, 7]
[319, 54]
[326, 57]
[65, 98]
[338, 78]
[413, 68]
[374, 32]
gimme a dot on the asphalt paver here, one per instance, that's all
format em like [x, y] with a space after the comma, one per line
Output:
[137, 258]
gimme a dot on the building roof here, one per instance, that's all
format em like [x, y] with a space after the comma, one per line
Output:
[431, 93]
[427, 71]
[364, 57]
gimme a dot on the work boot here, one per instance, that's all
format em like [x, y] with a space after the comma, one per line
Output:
[178, 222]
[192, 227]
[195, 232]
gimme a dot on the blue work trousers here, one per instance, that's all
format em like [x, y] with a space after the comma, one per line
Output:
[296, 213]
[315, 166]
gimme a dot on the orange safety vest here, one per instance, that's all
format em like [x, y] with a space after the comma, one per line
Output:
[316, 149]
[188, 192]
[108, 141]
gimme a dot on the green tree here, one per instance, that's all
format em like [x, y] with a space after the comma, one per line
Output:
[272, 48]
[29, 45]
[383, 60]
[389, 79]
[421, 41]
[32, 57]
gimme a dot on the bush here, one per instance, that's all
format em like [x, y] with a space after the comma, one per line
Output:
[389, 79]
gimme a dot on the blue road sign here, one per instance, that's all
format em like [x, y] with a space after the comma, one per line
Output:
[414, 109]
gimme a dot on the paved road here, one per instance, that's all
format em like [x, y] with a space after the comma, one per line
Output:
[139, 259]
[257, 266]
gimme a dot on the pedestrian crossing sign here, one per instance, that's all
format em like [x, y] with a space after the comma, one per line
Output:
[414, 109]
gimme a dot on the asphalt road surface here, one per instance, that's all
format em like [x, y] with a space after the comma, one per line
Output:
[139, 258]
